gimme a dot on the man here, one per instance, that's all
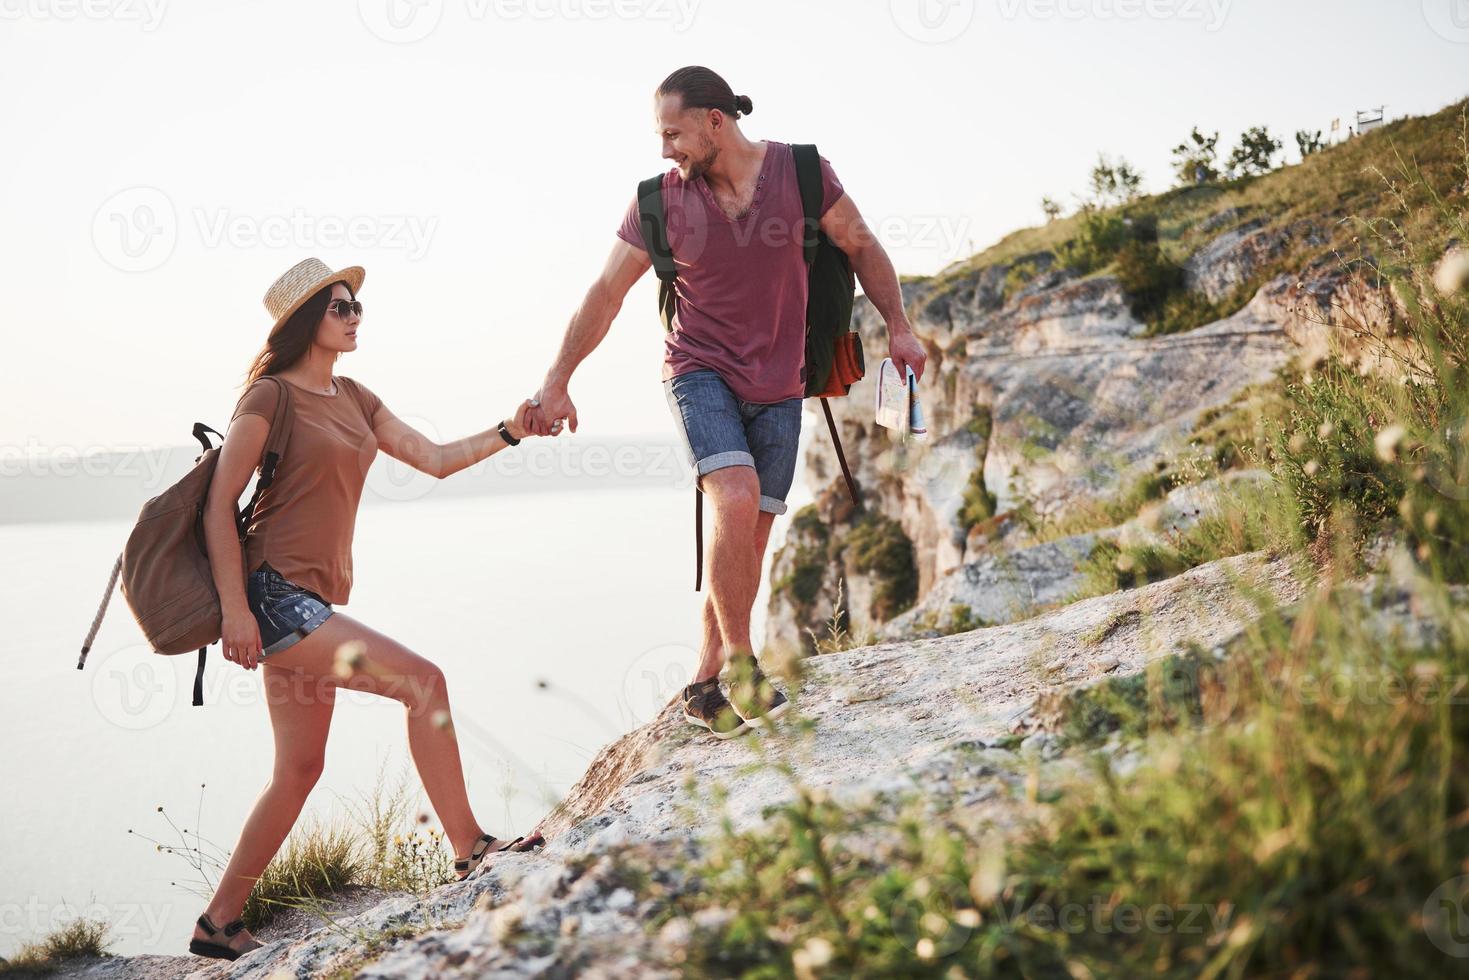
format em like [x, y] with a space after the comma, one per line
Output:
[733, 363]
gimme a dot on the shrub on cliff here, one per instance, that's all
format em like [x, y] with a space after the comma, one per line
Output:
[880, 548]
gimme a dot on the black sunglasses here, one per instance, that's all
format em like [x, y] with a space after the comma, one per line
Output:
[341, 307]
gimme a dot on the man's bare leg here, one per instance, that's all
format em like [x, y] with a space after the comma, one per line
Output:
[734, 580]
[711, 650]
[734, 563]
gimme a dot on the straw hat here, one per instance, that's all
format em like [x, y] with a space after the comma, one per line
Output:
[300, 283]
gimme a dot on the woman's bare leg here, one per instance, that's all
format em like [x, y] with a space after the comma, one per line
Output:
[300, 718]
[301, 683]
[387, 668]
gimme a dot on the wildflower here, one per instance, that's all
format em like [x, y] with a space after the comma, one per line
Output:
[1452, 272]
[989, 877]
[818, 951]
[1311, 467]
[349, 658]
[1387, 442]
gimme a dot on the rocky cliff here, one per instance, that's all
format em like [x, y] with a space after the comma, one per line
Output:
[1036, 402]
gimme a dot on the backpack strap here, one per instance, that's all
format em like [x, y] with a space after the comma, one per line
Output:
[199, 429]
[275, 448]
[199, 677]
[808, 178]
[101, 611]
[836, 441]
[654, 224]
[698, 538]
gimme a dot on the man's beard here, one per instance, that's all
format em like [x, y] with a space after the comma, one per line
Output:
[699, 167]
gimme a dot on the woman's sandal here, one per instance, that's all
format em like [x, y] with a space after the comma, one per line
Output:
[218, 951]
[489, 844]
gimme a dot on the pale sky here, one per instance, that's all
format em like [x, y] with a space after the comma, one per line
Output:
[163, 162]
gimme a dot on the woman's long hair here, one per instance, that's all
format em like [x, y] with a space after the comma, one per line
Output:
[287, 345]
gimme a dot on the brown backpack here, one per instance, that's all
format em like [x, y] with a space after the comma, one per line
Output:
[165, 572]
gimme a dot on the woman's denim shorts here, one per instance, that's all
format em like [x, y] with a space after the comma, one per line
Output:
[285, 612]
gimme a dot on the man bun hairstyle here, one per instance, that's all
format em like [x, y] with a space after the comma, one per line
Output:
[698, 87]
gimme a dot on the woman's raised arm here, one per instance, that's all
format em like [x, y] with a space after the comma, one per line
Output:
[403, 442]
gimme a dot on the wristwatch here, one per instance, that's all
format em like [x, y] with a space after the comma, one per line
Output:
[505, 434]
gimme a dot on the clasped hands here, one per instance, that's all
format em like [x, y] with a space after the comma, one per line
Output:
[548, 411]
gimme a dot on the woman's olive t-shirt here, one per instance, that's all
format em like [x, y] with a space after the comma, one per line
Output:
[303, 523]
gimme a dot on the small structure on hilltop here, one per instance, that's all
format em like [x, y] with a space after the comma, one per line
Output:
[1369, 119]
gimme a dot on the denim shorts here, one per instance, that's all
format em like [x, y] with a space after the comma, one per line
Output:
[722, 430]
[285, 612]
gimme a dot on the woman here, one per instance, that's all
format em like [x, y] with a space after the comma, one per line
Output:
[299, 560]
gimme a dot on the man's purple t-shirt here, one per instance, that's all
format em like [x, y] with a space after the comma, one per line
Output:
[740, 296]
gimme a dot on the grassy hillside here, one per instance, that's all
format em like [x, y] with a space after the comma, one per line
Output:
[1358, 177]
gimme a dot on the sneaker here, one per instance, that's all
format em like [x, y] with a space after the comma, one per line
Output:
[751, 694]
[704, 705]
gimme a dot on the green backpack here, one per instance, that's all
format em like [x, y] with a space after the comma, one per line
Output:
[833, 356]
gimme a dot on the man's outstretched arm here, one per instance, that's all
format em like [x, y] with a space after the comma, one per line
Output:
[843, 224]
[589, 324]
